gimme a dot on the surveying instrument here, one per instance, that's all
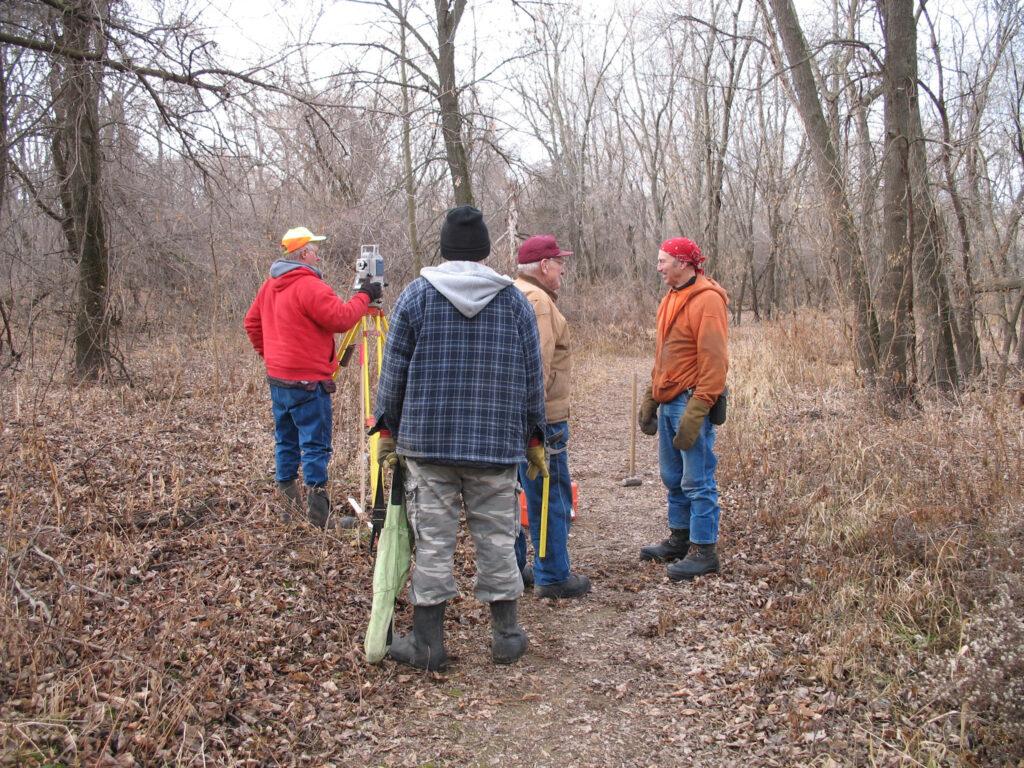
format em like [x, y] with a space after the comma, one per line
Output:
[367, 335]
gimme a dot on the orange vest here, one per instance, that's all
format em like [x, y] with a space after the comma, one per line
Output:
[692, 350]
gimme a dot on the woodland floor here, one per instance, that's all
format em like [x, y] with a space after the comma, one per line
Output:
[159, 612]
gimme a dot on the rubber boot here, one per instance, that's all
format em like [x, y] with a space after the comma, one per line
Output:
[292, 501]
[674, 547]
[574, 586]
[423, 648]
[508, 640]
[319, 506]
[701, 559]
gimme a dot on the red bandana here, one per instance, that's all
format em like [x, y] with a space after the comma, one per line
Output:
[685, 250]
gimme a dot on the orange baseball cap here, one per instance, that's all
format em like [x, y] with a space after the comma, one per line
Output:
[297, 237]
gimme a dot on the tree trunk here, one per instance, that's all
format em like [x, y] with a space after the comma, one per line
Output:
[851, 276]
[410, 181]
[448, 18]
[77, 160]
[912, 226]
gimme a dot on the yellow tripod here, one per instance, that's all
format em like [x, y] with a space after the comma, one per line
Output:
[373, 327]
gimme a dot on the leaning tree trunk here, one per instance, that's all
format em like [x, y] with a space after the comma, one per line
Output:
[77, 159]
[912, 227]
[448, 18]
[407, 167]
[851, 276]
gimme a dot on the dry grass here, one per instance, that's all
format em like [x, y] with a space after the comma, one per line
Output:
[905, 530]
[152, 600]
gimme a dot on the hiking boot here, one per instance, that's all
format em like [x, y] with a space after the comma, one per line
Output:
[292, 499]
[423, 648]
[674, 547]
[319, 506]
[508, 640]
[701, 559]
[527, 574]
[574, 586]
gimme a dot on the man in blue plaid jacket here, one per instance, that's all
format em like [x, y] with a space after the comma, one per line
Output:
[461, 400]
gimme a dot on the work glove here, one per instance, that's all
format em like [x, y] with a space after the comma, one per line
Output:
[537, 459]
[371, 289]
[647, 416]
[690, 424]
[387, 450]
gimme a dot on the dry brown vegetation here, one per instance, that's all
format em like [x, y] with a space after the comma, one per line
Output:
[157, 611]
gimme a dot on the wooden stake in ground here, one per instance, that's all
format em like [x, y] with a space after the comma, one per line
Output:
[632, 481]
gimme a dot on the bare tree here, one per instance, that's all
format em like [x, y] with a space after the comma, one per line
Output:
[75, 85]
[912, 226]
[442, 83]
[851, 275]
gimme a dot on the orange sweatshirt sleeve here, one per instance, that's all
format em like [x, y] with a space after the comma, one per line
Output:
[712, 334]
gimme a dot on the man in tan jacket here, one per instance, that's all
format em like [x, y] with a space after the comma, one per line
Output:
[541, 263]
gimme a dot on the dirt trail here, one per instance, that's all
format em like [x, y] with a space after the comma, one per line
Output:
[642, 671]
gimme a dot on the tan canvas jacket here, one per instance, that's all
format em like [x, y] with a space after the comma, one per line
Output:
[554, 348]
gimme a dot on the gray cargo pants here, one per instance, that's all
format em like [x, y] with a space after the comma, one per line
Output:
[435, 495]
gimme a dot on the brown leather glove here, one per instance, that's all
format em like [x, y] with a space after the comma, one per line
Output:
[538, 461]
[647, 416]
[690, 424]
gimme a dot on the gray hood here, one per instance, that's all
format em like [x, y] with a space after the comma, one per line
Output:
[284, 266]
[468, 285]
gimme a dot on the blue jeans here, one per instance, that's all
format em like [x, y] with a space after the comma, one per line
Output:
[689, 475]
[302, 429]
[554, 566]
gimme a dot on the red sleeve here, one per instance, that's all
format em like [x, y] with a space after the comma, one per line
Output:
[254, 324]
[327, 309]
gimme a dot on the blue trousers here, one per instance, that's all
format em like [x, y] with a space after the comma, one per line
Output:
[302, 431]
[689, 475]
[554, 566]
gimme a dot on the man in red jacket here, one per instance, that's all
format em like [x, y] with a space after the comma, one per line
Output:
[291, 323]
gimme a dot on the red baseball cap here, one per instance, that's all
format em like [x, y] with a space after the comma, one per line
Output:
[540, 247]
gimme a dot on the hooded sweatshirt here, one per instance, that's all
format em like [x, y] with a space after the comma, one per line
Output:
[293, 319]
[692, 351]
[462, 381]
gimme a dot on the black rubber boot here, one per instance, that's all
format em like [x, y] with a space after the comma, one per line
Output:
[702, 559]
[319, 506]
[508, 640]
[674, 547]
[292, 501]
[423, 648]
[574, 586]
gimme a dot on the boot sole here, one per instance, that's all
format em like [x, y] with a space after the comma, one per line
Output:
[427, 667]
[656, 559]
[503, 660]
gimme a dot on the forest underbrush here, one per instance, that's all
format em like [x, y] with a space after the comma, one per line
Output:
[157, 610]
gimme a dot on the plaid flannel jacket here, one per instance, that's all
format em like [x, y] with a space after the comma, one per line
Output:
[457, 390]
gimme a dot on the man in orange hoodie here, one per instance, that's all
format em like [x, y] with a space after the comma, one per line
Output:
[690, 364]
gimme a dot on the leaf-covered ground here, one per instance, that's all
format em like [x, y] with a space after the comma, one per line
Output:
[158, 611]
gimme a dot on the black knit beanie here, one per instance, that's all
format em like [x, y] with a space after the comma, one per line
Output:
[464, 235]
